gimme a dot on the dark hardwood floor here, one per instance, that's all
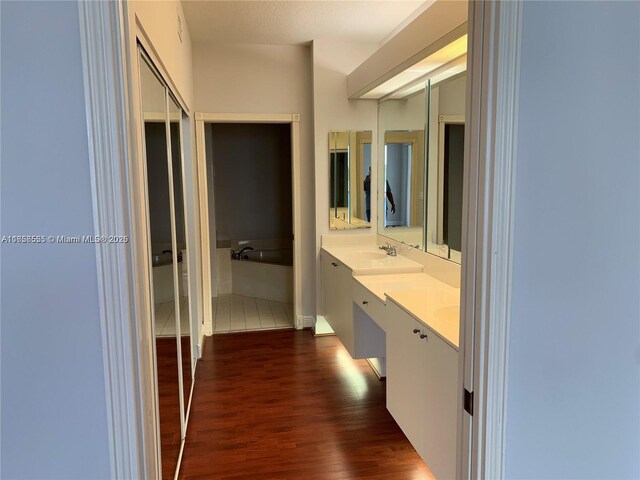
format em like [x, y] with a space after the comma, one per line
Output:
[283, 405]
[168, 404]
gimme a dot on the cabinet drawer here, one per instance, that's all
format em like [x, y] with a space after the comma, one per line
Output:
[370, 304]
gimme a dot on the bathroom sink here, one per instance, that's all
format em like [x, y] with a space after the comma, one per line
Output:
[369, 255]
[447, 314]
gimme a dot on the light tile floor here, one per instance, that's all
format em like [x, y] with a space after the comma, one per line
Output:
[165, 314]
[233, 313]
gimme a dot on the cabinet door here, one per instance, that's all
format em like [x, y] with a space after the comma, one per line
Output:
[336, 284]
[406, 357]
[439, 440]
[328, 289]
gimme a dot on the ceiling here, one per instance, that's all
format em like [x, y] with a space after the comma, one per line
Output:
[297, 22]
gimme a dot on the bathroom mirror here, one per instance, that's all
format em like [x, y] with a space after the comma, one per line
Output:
[421, 139]
[349, 179]
[402, 173]
[446, 167]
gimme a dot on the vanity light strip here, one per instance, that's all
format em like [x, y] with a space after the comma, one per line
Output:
[456, 62]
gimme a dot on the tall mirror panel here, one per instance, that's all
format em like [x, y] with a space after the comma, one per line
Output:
[183, 322]
[446, 167]
[163, 261]
[401, 174]
[350, 179]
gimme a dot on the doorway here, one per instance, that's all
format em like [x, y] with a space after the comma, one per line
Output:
[251, 223]
[248, 166]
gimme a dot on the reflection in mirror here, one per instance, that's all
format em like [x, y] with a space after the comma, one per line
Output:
[445, 166]
[182, 310]
[154, 106]
[402, 174]
[349, 179]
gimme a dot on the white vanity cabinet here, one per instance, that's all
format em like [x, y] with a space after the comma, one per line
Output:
[337, 300]
[370, 304]
[354, 314]
[422, 378]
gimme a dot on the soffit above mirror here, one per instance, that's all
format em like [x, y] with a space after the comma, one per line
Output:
[447, 61]
[436, 40]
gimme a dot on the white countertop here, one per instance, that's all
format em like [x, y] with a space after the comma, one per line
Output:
[379, 285]
[360, 260]
[430, 301]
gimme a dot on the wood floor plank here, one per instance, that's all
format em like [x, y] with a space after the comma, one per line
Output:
[284, 405]
[168, 404]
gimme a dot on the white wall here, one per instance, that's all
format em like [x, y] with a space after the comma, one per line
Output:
[332, 110]
[574, 383]
[265, 79]
[452, 96]
[54, 420]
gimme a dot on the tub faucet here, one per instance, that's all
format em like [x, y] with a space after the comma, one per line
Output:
[390, 249]
[239, 255]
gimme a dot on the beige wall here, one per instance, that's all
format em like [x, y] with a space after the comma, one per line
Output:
[158, 22]
[266, 79]
[332, 62]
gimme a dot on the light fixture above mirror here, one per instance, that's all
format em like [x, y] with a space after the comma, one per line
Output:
[447, 61]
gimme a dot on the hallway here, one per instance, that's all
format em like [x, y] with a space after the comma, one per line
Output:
[283, 405]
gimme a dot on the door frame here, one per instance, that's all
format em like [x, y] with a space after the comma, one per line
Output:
[123, 269]
[209, 287]
[487, 238]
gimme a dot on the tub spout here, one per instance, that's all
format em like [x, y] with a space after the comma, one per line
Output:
[239, 255]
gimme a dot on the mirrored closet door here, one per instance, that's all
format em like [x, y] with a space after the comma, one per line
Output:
[163, 149]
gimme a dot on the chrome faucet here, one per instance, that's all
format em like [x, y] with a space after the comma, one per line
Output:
[239, 255]
[390, 249]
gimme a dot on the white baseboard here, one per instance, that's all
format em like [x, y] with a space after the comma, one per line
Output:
[306, 321]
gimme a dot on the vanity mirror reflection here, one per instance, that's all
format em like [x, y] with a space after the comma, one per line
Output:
[445, 167]
[421, 140]
[401, 174]
[350, 179]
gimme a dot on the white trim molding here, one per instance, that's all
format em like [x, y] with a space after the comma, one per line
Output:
[492, 112]
[110, 149]
[307, 321]
[247, 117]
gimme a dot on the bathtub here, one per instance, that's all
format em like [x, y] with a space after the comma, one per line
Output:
[264, 272]
[275, 256]
[162, 264]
